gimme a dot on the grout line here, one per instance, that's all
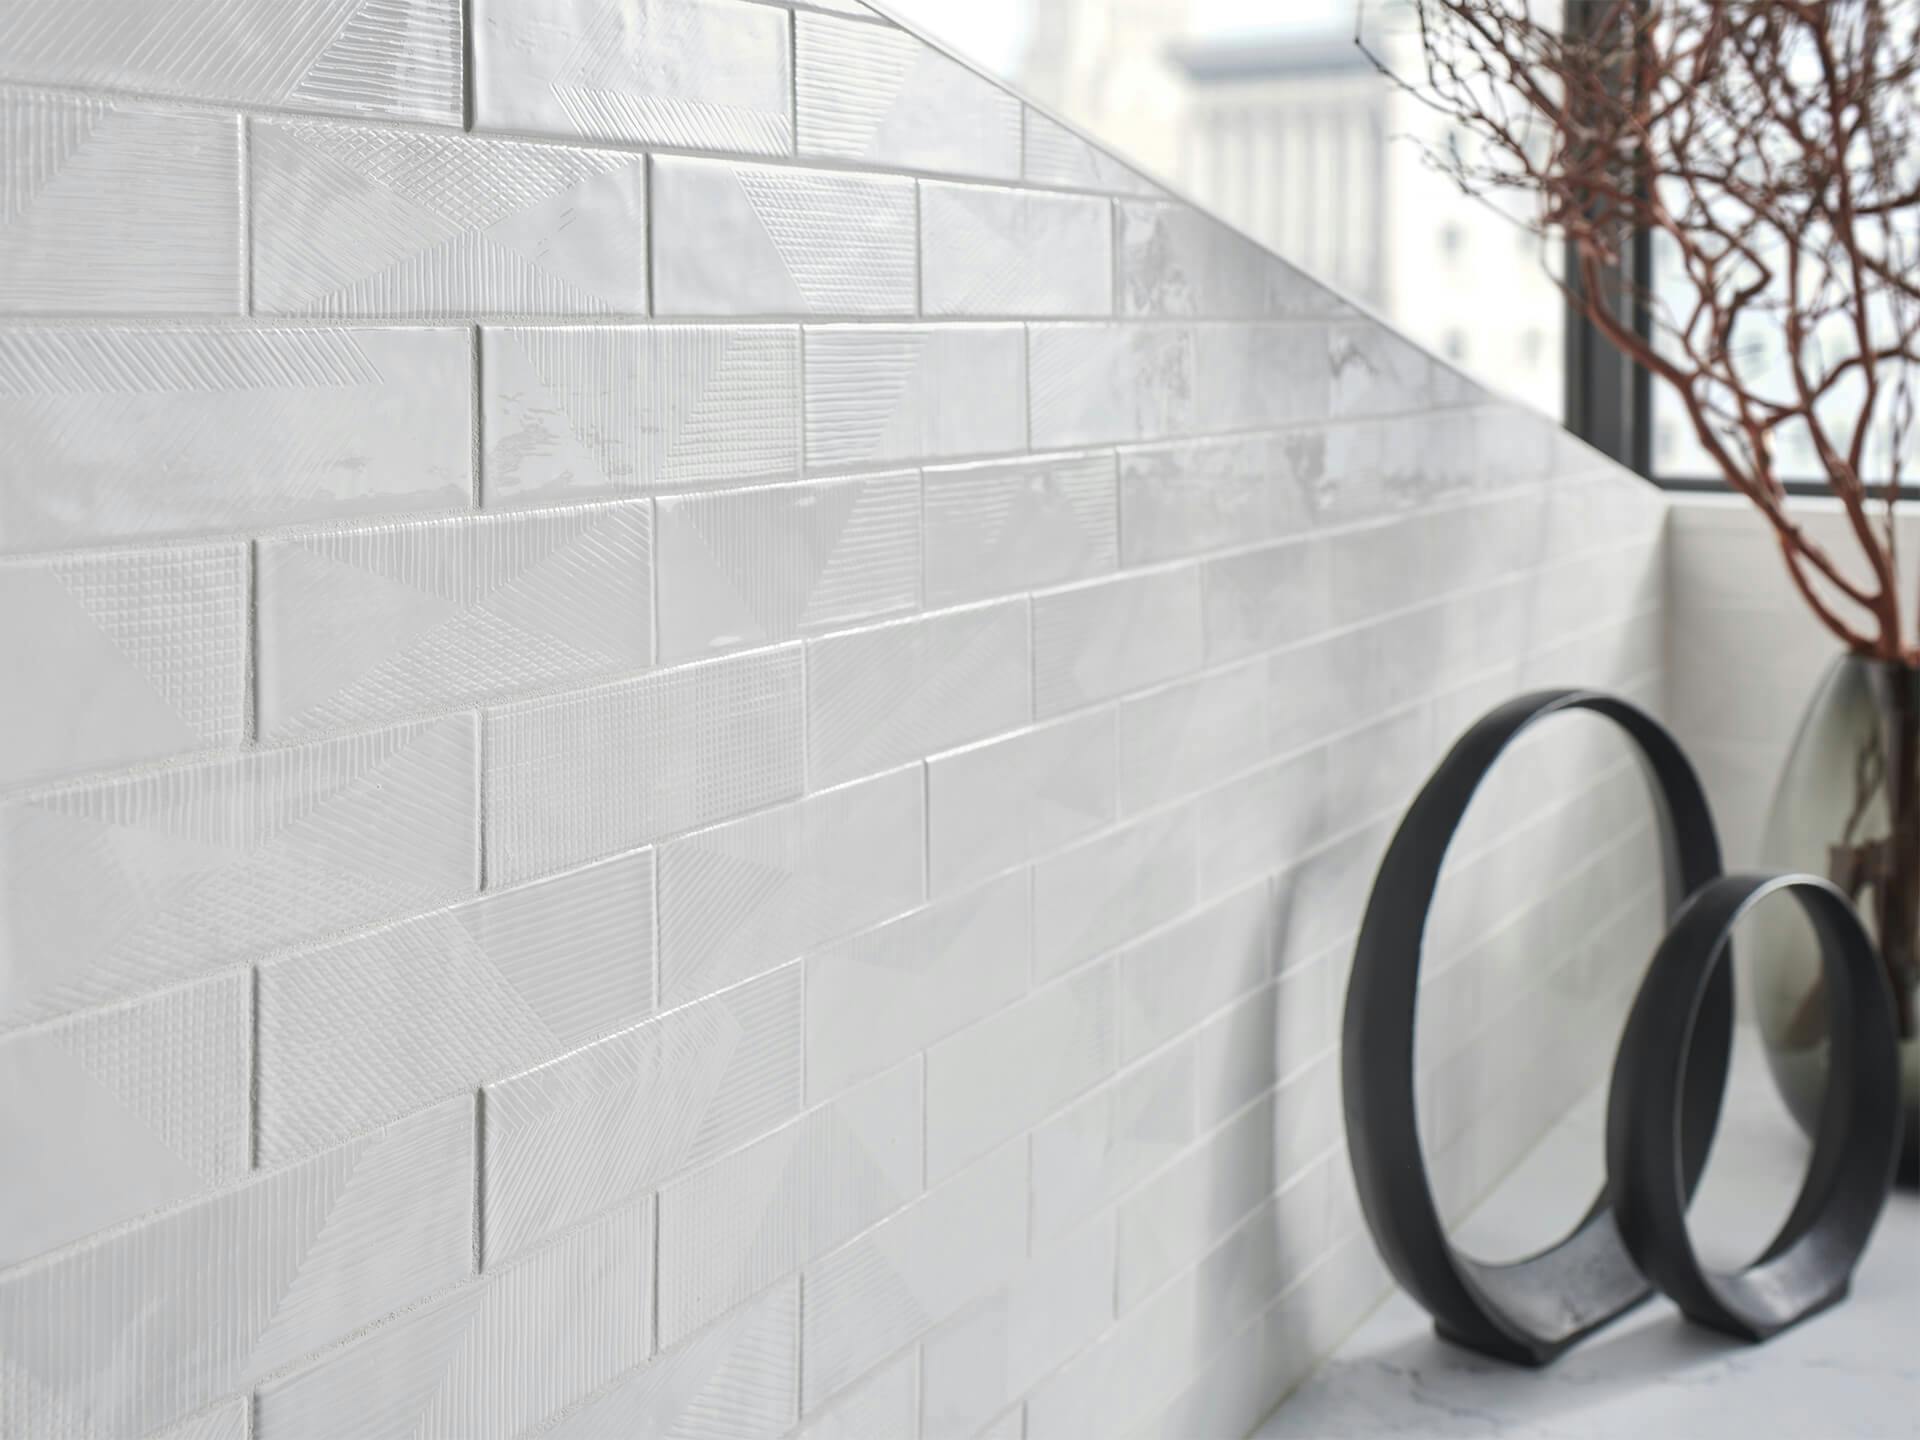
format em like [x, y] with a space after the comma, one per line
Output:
[476, 422]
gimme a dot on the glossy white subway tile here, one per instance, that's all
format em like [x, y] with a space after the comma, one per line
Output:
[1191, 496]
[886, 394]
[700, 74]
[1247, 377]
[1112, 889]
[1113, 637]
[985, 250]
[883, 1406]
[1002, 527]
[1102, 383]
[1175, 260]
[1261, 599]
[754, 240]
[753, 567]
[1192, 735]
[1178, 978]
[1096, 1150]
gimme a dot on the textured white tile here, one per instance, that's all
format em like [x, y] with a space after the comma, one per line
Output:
[1192, 735]
[583, 776]
[355, 221]
[1000, 804]
[122, 1111]
[883, 1406]
[118, 656]
[884, 394]
[875, 94]
[394, 58]
[990, 251]
[999, 528]
[1181, 976]
[230, 1420]
[997, 1078]
[1101, 1147]
[1054, 155]
[572, 1138]
[1096, 384]
[703, 74]
[975, 1366]
[1260, 599]
[624, 409]
[749, 567]
[150, 1324]
[365, 1030]
[1114, 636]
[752, 240]
[1175, 260]
[884, 995]
[732, 1229]
[116, 208]
[1197, 495]
[881, 697]
[907, 1274]
[491, 1360]
[356, 625]
[1107, 891]
[1251, 376]
[1234, 1062]
[112, 888]
[735, 1380]
[740, 899]
[116, 432]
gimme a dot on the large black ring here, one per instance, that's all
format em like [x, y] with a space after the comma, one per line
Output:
[1809, 1264]
[1527, 1311]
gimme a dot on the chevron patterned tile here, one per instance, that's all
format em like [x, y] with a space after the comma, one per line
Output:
[120, 656]
[736, 1227]
[583, 776]
[898, 692]
[353, 221]
[1003, 527]
[735, 1380]
[885, 394]
[699, 74]
[574, 1137]
[754, 240]
[394, 58]
[354, 1034]
[150, 1324]
[134, 1108]
[1054, 155]
[111, 888]
[1110, 890]
[985, 250]
[752, 567]
[116, 208]
[740, 899]
[624, 410]
[879, 96]
[1111, 637]
[356, 625]
[495, 1359]
[118, 431]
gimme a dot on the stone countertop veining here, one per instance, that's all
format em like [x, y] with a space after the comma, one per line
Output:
[1852, 1372]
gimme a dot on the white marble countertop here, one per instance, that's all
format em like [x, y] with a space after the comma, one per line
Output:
[1852, 1372]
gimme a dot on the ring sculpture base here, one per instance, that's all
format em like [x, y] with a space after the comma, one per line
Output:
[1809, 1264]
[1531, 1310]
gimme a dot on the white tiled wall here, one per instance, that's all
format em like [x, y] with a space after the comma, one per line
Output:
[695, 716]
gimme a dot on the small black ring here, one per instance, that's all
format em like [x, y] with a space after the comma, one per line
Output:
[1527, 1311]
[1810, 1263]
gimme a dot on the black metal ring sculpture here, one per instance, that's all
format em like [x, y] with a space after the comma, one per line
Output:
[1527, 1311]
[1809, 1264]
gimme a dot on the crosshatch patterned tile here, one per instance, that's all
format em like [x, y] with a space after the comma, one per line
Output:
[150, 1324]
[351, 221]
[751, 567]
[188, 868]
[114, 657]
[360, 624]
[578, 411]
[116, 208]
[351, 1035]
[998, 528]
[991, 251]
[740, 899]
[876, 94]
[753, 240]
[120, 431]
[394, 58]
[132, 1108]
[881, 394]
[494, 1358]
[703, 74]
[576, 1136]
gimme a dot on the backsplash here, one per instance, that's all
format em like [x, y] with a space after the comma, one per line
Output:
[696, 719]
